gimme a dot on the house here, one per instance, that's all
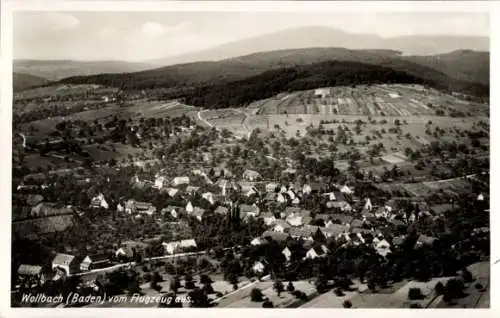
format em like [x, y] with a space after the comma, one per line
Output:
[258, 241]
[192, 189]
[174, 211]
[287, 253]
[271, 187]
[189, 207]
[144, 208]
[159, 182]
[258, 267]
[341, 218]
[31, 271]
[291, 194]
[172, 191]
[480, 197]
[317, 251]
[221, 210]
[99, 202]
[322, 92]
[269, 218]
[252, 191]
[251, 175]
[198, 213]
[289, 172]
[356, 223]
[281, 226]
[346, 190]
[382, 247]
[275, 236]
[335, 196]
[176, 246]
[249, 210]
[342, 205]
[305, 232]
[94, 261]
[425, 240]
[306, 189]
[127, 249]
[368, 205]
[295, 220]
[179, 181]
[296, 201]
[281, 198]
[333, 230]
[66, 263]
[34, 199]
[209, 196]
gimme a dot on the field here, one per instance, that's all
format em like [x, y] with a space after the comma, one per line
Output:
[63, 90]
[377, 100]
[285, 300]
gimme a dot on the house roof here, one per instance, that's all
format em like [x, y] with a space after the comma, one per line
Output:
[356, 223]
[34, 199]
[333, 229]
[343, 218]
[320, 249]
[98, 257]
[143, 205]
[26, 270]
[276, 236]
[198, 211]
[63, 259]
[221, 209]
[304, 231]
[170, 208]
[246, 208]
[426, 239]
[282, 223]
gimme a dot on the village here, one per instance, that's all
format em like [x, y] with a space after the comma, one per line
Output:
[238, 231]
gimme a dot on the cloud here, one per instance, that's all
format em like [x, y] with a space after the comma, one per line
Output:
[42, 22]
[155, 29]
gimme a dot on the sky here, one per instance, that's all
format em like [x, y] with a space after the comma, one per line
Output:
[139, 36]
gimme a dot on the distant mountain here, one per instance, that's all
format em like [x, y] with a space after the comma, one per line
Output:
[23, 81]
[465, 65]
[322, 74]
[57, 69]
[328, 37]
[187, 76]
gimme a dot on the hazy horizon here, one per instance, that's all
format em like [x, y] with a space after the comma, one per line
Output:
[143, 36]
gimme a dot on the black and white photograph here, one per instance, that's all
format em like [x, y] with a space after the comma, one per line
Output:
[249, 159]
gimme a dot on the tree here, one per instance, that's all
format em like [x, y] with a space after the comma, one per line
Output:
[175, 284]
[290, 288]
[439, 288]
[267, 304]
[256, 295]
[133, 288]
[199, 299]
[278, 287]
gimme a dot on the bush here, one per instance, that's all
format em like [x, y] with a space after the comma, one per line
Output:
[267, 304]
[415, 293]
[256, 295]
[479, 286]
[467, 276]
[290, 288]
[347, 304]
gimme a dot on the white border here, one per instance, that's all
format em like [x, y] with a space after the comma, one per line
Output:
[285, 6]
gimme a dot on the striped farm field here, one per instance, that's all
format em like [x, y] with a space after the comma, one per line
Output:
[376, 100]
